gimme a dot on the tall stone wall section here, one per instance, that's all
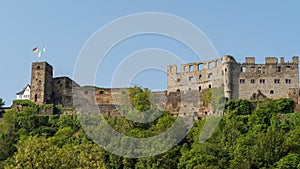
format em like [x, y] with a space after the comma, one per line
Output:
[196, 76]
[62, 88]
[48, 90]
[41, 91]
[272, 79]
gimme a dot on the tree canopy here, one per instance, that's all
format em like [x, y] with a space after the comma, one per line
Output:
[251, 134]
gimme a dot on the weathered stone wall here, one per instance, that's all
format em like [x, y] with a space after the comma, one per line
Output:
[231, 77]
[186, 87]
[62, 88]
[41, 83]
[272, 79]
[196, 76]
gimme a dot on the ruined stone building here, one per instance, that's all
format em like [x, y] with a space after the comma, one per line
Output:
[45, 89]
[248, 80]
[186, 87]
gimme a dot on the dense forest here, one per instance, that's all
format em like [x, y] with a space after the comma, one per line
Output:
[251, 134]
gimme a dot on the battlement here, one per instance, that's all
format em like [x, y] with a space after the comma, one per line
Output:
[272, 61]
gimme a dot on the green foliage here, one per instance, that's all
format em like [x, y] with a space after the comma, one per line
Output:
[8, 134]
[252, 134]
[238, 107]
[24, 103]
[214, 98]
[291, 161]
[68, 120]
[2, 103]
[140, 98]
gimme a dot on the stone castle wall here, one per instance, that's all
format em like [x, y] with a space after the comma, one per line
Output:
[240, 80]
[273, 79]
[186, 87]
[41, 91]
[62, 91]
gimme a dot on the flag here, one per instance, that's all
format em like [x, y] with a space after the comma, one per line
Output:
[36, 49]
[39, 54]
[44, 49]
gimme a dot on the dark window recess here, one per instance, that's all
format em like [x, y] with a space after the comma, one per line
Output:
[101, 92]
[271, 91]
[209, 86]
[200, 77]
[288, 81]
[278, 69]
[184, 68]
[199, 88]
[38, 67]
[86, 92]
[276, 81]
[262, 81]
[243, 69]
[178, 80]
[252, 81]
[35, 97]
[242, 81]
[210, 75]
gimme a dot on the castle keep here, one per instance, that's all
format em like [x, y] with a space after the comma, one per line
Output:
[248, 80]
[45, 89]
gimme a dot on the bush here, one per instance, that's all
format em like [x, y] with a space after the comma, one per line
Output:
[24, 103]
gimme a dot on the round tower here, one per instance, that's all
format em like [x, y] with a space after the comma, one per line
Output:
[231, 69]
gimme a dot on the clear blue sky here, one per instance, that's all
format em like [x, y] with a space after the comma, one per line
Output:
[240, 28]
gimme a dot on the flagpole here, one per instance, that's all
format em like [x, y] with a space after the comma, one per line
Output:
[40, 52]
[44, 51]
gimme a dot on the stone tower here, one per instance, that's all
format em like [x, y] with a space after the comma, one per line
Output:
[231, 70]
[41, 83]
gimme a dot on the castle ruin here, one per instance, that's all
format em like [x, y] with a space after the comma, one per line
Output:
[248, 80]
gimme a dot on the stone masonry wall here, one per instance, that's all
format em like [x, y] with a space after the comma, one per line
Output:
[272, 79]
[41, 83]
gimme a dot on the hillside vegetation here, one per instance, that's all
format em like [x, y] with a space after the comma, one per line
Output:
[261, 134]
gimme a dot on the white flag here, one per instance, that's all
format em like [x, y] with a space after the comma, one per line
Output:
[44, 49]
[39, 54]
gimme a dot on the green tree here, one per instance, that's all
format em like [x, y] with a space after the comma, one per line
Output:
[291, 161]
[2, 103]
[8, 135]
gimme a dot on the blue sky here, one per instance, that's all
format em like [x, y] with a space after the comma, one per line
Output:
[239, 28]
